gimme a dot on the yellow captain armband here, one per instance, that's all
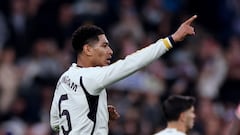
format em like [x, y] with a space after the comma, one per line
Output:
[167, 43]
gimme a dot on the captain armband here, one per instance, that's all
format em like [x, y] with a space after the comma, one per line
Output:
[168, 42]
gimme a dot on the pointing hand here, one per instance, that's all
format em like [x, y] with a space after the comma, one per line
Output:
[184, 30]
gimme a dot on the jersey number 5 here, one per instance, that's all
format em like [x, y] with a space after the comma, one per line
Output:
[66, 113]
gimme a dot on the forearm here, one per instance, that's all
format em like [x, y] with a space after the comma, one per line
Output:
[54, 119]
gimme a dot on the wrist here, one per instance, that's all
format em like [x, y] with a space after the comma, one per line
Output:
[172, 41]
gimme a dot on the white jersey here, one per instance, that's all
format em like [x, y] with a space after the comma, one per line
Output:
[170, 131]
[79, 105]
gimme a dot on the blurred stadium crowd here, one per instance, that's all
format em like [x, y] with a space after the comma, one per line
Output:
[35, 48]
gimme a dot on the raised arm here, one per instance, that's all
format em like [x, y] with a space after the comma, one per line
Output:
[133, 62]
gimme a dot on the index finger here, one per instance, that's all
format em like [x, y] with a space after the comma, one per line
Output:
[190, 20]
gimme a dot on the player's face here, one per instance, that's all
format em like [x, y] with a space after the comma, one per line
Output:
[189, 118]
[102, 52]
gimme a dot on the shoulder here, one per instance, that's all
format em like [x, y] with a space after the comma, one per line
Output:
[162, 132]
[169, 131]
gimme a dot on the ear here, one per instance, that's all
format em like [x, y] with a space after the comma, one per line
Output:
[87, 49]
[182, 117]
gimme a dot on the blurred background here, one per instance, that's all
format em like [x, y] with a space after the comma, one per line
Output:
[35, 48]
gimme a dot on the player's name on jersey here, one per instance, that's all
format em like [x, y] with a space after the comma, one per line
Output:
[66, 80]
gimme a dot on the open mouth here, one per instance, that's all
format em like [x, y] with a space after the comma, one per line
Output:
[109, 60]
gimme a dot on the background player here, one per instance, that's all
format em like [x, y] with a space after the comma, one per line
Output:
[179, 113]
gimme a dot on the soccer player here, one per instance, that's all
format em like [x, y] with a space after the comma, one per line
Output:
[79, 105]
[179, 113]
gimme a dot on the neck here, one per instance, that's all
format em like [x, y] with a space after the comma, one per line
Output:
[84, 61]
[84, 64]
[177, 125]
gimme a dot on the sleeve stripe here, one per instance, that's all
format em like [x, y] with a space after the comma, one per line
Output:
[167, 43]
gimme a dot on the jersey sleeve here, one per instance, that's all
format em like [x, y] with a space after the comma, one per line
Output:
[54, 119]
[104, 76]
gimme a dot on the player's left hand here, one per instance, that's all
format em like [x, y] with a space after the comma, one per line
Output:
[113, 114]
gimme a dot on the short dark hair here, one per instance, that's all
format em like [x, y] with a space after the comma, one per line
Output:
[84, 35]
[175, 105]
